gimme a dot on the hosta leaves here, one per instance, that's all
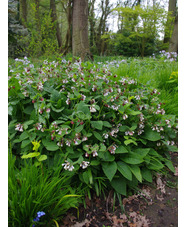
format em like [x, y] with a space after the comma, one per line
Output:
[155, 164]
[136, 171]
[97, 124]
[146, 174]
[121, 150]
[151, 135]
[132, 158]
[142, 151]
[119, 184]
[124, 170]
[109, 168]
[169, 164]
[106, 156]
[172, 148]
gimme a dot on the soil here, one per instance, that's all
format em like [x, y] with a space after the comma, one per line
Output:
[155, 206]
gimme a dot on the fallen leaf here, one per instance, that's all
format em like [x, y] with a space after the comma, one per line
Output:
[132, 225]
[160, 184]
[86, 222]
[176, 171]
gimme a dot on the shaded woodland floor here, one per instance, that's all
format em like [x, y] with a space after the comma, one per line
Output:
[155, 206]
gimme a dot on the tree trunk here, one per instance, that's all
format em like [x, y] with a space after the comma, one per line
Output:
[54, 20]
[80, 42]
[92, 22]
[68, 37]
[38, 26]
[173, 45]
[172, 11]
[23, 5]
[37, 15]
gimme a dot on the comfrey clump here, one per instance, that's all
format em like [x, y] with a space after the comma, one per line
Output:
[102, 125]
[39, 215]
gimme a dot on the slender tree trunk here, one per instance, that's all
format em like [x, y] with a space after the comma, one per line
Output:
[92, 22]
[54, 20]
[37, 15]
[173, 45]
[23, 6]
[80, 42]
[38, 26]
[68, 37]
[172, 11]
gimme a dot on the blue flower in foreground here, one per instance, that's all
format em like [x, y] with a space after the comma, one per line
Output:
[39, 214]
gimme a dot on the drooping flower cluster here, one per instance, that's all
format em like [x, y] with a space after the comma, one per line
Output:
[68, 166]
[19, 127]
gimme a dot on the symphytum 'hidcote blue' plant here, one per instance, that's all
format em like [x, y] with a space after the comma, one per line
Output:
[107, 129]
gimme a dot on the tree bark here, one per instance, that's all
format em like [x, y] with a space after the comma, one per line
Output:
[173, 45]
[54, 20]
[68, 37]
[92, 22]
[172, 11]
[80, 42]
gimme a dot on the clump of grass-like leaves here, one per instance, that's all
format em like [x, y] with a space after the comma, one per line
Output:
[31, 191]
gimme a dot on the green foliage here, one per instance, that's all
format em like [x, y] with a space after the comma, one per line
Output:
[139, 30]
[31, 189]
[107, 131]
[156, 72]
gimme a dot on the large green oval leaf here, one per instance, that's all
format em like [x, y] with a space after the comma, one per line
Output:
[132, 158]
[136, 171]
[109, 168]
[121, 150]
[142, 151]
[124, 170]
[97, 124]
[146, 174]
[50, 145]
[106, 156]
[119, 184]
[98, 136]
[151, 135]
[155, 164]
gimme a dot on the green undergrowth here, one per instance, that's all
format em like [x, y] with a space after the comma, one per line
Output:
[79, 127]
[156, 73]
[32, 189]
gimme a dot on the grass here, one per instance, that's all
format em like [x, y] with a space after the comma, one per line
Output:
[153, 73]
[31, 191]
